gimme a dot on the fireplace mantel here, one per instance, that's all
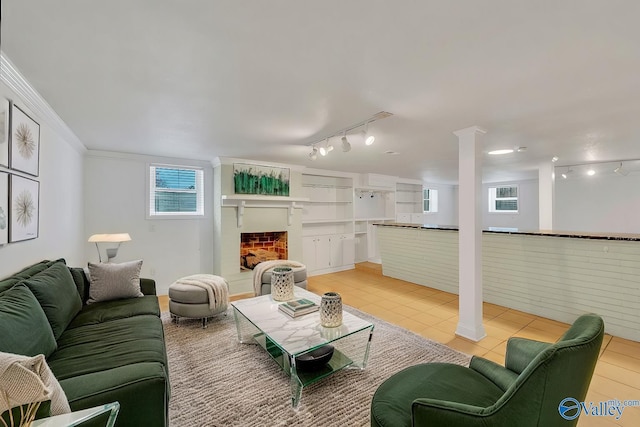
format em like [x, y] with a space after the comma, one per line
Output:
[242, 201]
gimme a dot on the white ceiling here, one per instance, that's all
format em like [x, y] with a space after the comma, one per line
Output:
[263, 79]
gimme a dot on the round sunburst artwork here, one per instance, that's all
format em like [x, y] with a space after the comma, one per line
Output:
[24, 141]
[24, 207]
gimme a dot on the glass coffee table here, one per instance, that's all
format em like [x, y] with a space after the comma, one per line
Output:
[258, 321]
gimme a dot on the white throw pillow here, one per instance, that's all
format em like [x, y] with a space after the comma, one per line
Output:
[25, 380]
[114, 281]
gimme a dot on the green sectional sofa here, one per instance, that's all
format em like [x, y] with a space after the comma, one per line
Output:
[101, 352]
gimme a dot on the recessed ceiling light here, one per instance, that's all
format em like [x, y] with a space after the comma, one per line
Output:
[591, 172]
[392, 153]
[498, 152]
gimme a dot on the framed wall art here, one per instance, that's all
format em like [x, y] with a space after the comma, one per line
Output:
[25, 142]
[4, 208]
[4, 132]
[255, 179]
[24, 205]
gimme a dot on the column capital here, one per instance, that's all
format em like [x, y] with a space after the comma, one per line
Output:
[472, 130]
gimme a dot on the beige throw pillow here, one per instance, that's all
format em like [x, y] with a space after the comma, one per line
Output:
[114, 281]
[25, 380]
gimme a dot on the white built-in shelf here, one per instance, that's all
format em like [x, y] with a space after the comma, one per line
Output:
[329, 202]
[340, 187]
[360, 232]
[242, 201]
[326, 221]
[375, 219]
[260, 198]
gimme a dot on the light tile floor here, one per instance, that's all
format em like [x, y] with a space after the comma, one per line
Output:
[434, 315]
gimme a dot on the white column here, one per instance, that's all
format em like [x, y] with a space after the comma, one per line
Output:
[546, 184]
[470, 233]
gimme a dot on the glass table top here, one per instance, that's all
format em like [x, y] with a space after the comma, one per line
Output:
[300, 334]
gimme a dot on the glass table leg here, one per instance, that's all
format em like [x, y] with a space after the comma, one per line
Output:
[296, 389]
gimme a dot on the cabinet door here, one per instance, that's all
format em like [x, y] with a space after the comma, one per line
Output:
[323, 252]
[309, 253]
[348, 250]
[336, 251]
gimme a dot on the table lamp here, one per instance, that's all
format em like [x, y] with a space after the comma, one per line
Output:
[109, 238]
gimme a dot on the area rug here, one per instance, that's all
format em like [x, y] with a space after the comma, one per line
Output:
[216, 381]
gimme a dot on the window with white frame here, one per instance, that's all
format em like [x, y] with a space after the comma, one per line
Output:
[503, 199]
[175, 191]
[429, 200]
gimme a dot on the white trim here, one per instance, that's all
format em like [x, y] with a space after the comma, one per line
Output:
[149, 159]
[492, 193]
[31, 99]
[218, 161]
[199, 191]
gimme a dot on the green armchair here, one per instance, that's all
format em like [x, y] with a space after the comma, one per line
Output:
[527, 391]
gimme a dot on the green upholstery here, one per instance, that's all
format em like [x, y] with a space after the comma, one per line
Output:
[108, 351]
[106, 311]
[24, 328]
[82, 283]
[43, 411]
[108, 345]
[25, 273]
[57, 294]
[526, 392]
[137, 387]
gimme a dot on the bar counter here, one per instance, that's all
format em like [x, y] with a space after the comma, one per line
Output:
[554, 274]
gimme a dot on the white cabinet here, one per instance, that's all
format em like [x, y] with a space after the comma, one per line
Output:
[323, 254]
[316, 253]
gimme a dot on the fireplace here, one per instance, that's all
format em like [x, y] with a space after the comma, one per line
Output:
[264, 246]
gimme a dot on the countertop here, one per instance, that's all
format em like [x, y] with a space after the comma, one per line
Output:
[506, 230]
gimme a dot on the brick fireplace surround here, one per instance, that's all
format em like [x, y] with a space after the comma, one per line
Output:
[262, 246]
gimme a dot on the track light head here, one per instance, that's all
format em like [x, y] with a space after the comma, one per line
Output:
[620, 171]
[346, 145]
[368, 139]
[323, 151]
[313, 154]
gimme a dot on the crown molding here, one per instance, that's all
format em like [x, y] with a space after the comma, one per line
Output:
[30, 98]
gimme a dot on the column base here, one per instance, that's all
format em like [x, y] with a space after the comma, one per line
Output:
[470, 332]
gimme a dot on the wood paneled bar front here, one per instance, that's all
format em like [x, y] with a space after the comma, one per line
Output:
[558, 275]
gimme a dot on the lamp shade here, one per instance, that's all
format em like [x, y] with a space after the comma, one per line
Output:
[113, 238]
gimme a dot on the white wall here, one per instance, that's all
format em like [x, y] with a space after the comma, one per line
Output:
[527, 217]
[447, 205]
[115, 195]
[61, 209]
[599, 203]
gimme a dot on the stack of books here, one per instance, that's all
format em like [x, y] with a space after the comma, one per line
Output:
[298, 307]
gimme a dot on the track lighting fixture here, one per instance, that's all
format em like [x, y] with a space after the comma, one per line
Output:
[346, 145]
[368, 139]
[620, 171]
[327, 147]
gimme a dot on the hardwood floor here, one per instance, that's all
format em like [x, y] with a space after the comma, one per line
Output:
[434, 315]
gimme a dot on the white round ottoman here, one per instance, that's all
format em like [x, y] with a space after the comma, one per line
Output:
[200, 296]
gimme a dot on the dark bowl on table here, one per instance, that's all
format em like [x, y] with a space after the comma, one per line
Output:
[315, 359]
